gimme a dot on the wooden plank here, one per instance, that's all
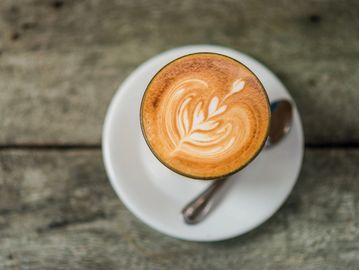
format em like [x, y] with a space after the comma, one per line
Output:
[58, 211]
[61, 61]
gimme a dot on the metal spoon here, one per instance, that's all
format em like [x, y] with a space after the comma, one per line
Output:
[281, 122]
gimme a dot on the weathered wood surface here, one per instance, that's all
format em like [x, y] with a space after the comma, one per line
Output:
[58, 211]
[61, 61]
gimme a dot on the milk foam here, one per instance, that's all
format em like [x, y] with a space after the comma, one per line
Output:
[202, 131]
[205, 115]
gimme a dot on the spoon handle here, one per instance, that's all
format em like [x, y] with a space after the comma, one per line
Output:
[200, 206]
[282, 115]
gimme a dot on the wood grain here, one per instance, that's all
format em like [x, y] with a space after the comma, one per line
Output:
[58, 211]
[61, 61]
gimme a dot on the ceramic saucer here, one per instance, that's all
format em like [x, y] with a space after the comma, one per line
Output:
[156, 195]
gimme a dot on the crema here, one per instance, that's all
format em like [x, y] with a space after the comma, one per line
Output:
[205, 115]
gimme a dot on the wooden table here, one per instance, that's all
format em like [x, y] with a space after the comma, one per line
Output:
[60, 63]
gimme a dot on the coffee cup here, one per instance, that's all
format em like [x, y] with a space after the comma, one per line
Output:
[205, 116]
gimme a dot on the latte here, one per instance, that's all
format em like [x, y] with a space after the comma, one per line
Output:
[205, 115]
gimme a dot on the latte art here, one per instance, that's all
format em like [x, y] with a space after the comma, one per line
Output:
[200, 127]
[205, 115]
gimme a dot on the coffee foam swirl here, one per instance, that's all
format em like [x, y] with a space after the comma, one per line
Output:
[199, 127]
[205, 115]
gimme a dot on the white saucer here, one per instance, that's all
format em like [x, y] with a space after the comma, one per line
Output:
[156, 195]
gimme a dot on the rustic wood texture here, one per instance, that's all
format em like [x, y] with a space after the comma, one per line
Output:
[61, 61]
[58, 211]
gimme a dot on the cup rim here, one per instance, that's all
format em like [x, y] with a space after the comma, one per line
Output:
[195, 176]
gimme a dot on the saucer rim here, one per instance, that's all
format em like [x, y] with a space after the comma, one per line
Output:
[112, 175]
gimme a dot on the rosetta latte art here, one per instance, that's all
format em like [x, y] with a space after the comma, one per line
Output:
[205, 115]
[198, 126]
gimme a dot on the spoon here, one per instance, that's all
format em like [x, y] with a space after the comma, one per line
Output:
[281, 122]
